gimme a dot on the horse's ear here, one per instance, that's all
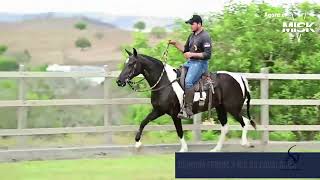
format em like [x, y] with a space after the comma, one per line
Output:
[135, 52]
[128, 52]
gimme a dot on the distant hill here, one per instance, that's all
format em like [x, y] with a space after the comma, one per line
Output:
[49, 37]
[51, 40]
[122, 22]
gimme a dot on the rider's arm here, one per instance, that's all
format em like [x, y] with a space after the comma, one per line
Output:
[197, 55]
[180, 47]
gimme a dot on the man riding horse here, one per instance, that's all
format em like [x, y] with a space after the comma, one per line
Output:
[229, 94]
[197, 51]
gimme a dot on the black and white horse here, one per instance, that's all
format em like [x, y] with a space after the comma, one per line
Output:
[233, 87]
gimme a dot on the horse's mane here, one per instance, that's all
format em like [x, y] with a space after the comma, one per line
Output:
[157, 61]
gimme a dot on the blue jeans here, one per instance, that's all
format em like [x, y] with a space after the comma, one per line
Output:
[195, 70]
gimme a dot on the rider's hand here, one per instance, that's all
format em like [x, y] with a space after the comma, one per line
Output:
[187, 55]
[173, 42]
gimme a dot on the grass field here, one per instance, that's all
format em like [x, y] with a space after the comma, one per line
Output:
[159, 167]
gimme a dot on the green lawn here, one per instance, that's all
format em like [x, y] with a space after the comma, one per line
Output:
[160, 167]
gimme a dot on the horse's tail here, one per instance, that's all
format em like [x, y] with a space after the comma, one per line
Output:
[248, 97]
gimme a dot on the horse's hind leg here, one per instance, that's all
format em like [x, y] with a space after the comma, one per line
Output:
[222, 116]
[245, 123]
[150, 117]
[178, 125]
[244, 140]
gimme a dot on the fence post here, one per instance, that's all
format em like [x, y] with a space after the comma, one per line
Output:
[264, 114]
[107, 113]
[22, 111]
[197, 130]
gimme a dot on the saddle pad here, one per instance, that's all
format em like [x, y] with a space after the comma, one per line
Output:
[197, 96]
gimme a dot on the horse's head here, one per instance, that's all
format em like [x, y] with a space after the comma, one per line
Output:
[132, 68]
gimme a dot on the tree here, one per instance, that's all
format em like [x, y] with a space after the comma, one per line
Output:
[3, 49]
[140, 25]
[7, 63]
[82, 43]
[245, 40]
[80, 25]
[158, 32]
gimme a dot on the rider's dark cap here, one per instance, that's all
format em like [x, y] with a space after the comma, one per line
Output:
[195, 18]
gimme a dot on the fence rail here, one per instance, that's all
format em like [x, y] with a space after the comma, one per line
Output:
[128, 101]
[128, 128]
[114, 74]
[22, 104]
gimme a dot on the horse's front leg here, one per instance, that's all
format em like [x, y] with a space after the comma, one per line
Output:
[150, 117]
[178, 125]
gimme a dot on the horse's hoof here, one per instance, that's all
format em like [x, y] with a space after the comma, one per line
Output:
[183, 150]
[247, 145]
[251, 146]
[138, 145]
[215, 150]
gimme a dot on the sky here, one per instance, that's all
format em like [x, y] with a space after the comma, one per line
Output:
[157, 8]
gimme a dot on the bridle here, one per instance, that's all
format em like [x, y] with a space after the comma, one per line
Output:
[135, 84]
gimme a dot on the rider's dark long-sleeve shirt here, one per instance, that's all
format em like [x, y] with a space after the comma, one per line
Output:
[200, 43]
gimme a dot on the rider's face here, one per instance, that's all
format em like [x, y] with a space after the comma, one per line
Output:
[195, 26]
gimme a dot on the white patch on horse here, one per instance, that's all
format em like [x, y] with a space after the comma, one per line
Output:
[197, 96]
[138, 144]
[224, 131]
[244, 140]
[127, 61]
[239, 79]
[246, 83]
[172, 75]
[184, 146]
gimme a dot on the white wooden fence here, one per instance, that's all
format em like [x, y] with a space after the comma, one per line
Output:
[107, 101]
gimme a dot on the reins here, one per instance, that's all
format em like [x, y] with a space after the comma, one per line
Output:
[134, 85]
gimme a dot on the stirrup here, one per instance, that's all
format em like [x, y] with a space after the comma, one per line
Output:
[183, 115]
[201, 101]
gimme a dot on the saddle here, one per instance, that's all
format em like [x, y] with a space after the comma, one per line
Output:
[207, 82]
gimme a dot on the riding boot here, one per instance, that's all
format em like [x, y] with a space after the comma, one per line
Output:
[186, 111]
[189, 101]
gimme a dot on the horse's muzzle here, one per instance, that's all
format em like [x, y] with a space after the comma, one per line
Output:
[121, 83]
